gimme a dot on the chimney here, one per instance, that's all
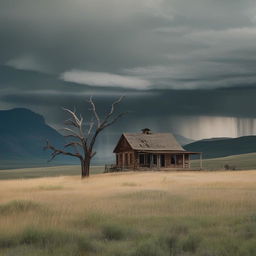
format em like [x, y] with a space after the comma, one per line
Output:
[146, 131]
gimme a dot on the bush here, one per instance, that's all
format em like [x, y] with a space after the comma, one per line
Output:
[191, 244]
[44, 238]
[248, 231]
[85, 245]
[18, 206]
[114, 232]
[53, 239]
[229, 167]
[151, 247]
[248, 248]
[172, 243]
[7, 241]
[180, 229]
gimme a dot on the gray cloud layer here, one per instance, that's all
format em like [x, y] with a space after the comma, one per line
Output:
[170, 44]
[162, 54]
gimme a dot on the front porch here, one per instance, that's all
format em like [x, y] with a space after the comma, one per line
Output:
[165, 160]
[155, 160]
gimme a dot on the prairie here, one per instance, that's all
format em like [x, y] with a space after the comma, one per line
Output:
[240, 162]
[130, 214]
[53, 171]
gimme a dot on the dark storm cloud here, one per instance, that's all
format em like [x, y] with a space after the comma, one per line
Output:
[171, 58]
[50, 94]
[167, 44]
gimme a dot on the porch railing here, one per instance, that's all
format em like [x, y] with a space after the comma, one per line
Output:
[115, 168]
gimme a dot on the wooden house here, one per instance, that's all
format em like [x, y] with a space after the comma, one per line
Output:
[151, 150]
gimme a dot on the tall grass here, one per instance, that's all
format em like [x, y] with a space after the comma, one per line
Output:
[18, 206]
[167, 214]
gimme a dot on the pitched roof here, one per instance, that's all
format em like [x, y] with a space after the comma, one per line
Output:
[153, 141]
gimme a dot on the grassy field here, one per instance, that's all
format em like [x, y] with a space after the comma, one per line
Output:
[130, 214]
[46, 172]
[240, 162]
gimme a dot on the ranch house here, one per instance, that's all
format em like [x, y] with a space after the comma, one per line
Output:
[151, 150]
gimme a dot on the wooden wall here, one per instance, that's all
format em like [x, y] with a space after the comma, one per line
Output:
[125, 159]
[130, 159]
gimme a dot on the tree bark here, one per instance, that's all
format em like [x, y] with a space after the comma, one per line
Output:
[85, 168]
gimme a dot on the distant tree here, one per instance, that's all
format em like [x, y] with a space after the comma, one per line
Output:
[83, 139]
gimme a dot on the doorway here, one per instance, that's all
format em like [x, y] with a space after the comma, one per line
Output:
[162, 160]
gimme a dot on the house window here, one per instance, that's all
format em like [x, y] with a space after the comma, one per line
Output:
[131, 158]
[142, 159]
[155, 159]
[126, 159]
[162, 160]
[173, 159]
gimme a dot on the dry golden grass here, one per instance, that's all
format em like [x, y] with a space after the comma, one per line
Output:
[208, 203]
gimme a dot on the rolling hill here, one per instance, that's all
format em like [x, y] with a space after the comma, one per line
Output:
[236, 162]
[221, 147]
[22, 136]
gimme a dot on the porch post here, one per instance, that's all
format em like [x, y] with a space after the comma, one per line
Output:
[128, 159]
[123, 159]
[189, 161]
[201, 161]
[158, 160]
[183, 162]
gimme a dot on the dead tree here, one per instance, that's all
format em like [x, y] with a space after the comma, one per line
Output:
[83, 139]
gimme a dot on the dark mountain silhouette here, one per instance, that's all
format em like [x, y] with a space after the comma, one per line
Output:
[183, 140]
[220, 147]
[23, 134]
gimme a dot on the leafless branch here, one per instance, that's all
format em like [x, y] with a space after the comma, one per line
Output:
[83, 143]
[91, 124]
[93, 154]
[71, 123]
[73, 143]
[56, 152]
[113, 107]
[95, 112]
[73, 114]
[115, 119]
[73, 133]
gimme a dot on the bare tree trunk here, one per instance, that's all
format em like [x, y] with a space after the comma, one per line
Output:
[85, 168]
[83, 143]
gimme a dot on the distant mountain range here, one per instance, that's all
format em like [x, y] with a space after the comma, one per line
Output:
[23, 135]
[221, 147]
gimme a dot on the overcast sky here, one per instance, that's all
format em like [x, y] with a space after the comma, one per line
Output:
[191, 62]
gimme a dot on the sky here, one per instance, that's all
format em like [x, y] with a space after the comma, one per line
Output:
[188, 67]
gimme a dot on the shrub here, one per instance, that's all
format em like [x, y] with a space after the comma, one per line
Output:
[56, 239]
[50, 187]
[180, 229]
[7, 241]
[85, 245]
[114, 232]
[248, 231]
[191, 243]
[129, 184]
[43, 238]
[18, 206]
[248, 248]
[151, 247]
[229, 167]
[172, 243]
